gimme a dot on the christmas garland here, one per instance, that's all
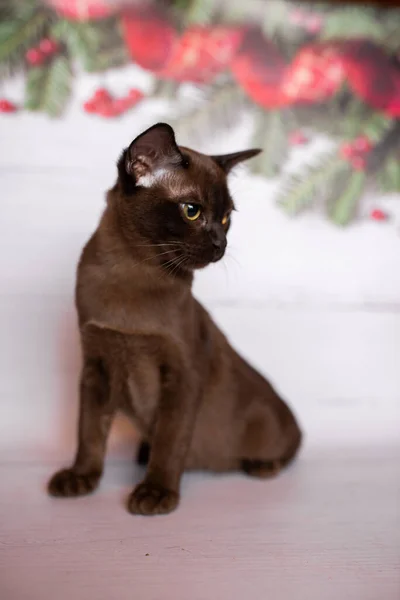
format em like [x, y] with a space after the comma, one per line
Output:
[298, 70]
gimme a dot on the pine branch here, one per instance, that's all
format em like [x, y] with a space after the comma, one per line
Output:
[300, 189]
[217, 112]
[353, 22]
[18, 35]
[200, 12]
[389, 176]
[48, 87]
[345, 205]
[271, 134]
[387, 143]
[276, 18]
[81, 39]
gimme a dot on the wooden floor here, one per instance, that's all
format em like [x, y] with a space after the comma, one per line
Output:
[315, 308]
[328, 528]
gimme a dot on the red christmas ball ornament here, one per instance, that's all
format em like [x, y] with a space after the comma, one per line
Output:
[378, 215]
[35, 57]
[48, 46]
[149, 36]
[259, 69]
[315, 75]
[297, 138]
[202, 53]
[372, 75]
[6, 106]
[82, 10]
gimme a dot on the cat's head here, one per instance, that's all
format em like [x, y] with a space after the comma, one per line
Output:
[176, 199]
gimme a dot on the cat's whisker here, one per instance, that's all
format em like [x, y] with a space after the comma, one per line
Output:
[152, 257]
[162, 244]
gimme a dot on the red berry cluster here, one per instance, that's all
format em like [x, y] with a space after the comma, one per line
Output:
[355, 152]
[38, 55]
[310, 22]
[378, 215]
[6, 106]
[298, 138]
[104, 104]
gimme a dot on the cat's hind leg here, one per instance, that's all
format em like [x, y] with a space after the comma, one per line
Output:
[271, 441]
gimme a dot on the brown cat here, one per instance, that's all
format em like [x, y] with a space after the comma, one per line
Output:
[150, 349]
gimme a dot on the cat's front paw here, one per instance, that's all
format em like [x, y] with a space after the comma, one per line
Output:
[152, 499]
[68, 483]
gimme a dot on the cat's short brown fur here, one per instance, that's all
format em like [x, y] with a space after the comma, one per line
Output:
[150, 349]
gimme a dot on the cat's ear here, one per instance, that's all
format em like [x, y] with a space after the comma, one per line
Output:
[152, 154]
[228, 161]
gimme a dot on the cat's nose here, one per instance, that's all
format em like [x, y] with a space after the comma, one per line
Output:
[218, 243]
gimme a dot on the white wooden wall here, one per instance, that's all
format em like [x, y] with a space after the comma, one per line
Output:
[315, 307]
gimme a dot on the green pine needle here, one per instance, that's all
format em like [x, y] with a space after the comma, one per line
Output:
[344, 208]
[82, 40]
[200, 12]
[315, 182]
[217, 112]
[271, 135]
[389, 176]
[48, 87]
[276, 18]
[18, 35]
[353, 22]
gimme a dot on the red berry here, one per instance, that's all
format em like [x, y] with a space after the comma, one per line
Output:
[378, 215]
[107, 110]
[34, 56]
[313, 23]
[7, 107]
[362, 144]
[48, 46]
[358, 163]
[102, 94]
[135, 94]
[90, 107]
[297, 138]
[346, 150]
[121, 105]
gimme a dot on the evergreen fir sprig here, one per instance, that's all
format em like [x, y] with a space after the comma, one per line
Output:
[216, 112]
[81, 39]
[199, 12]
[19, 33]
[389, 175]
[313, 182]
[345, 204]
[48, 87]
[353, 22]
[271, 134]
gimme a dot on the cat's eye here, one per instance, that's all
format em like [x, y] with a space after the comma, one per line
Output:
[225, 218]
[191, 211]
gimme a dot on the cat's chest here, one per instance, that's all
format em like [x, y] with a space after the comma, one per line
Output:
[128, 306]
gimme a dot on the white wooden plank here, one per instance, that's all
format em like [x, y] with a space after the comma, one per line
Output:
[47, 217]
[338, 370]
[327, 528]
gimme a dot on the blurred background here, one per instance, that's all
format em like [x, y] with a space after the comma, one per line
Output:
[310, 288]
